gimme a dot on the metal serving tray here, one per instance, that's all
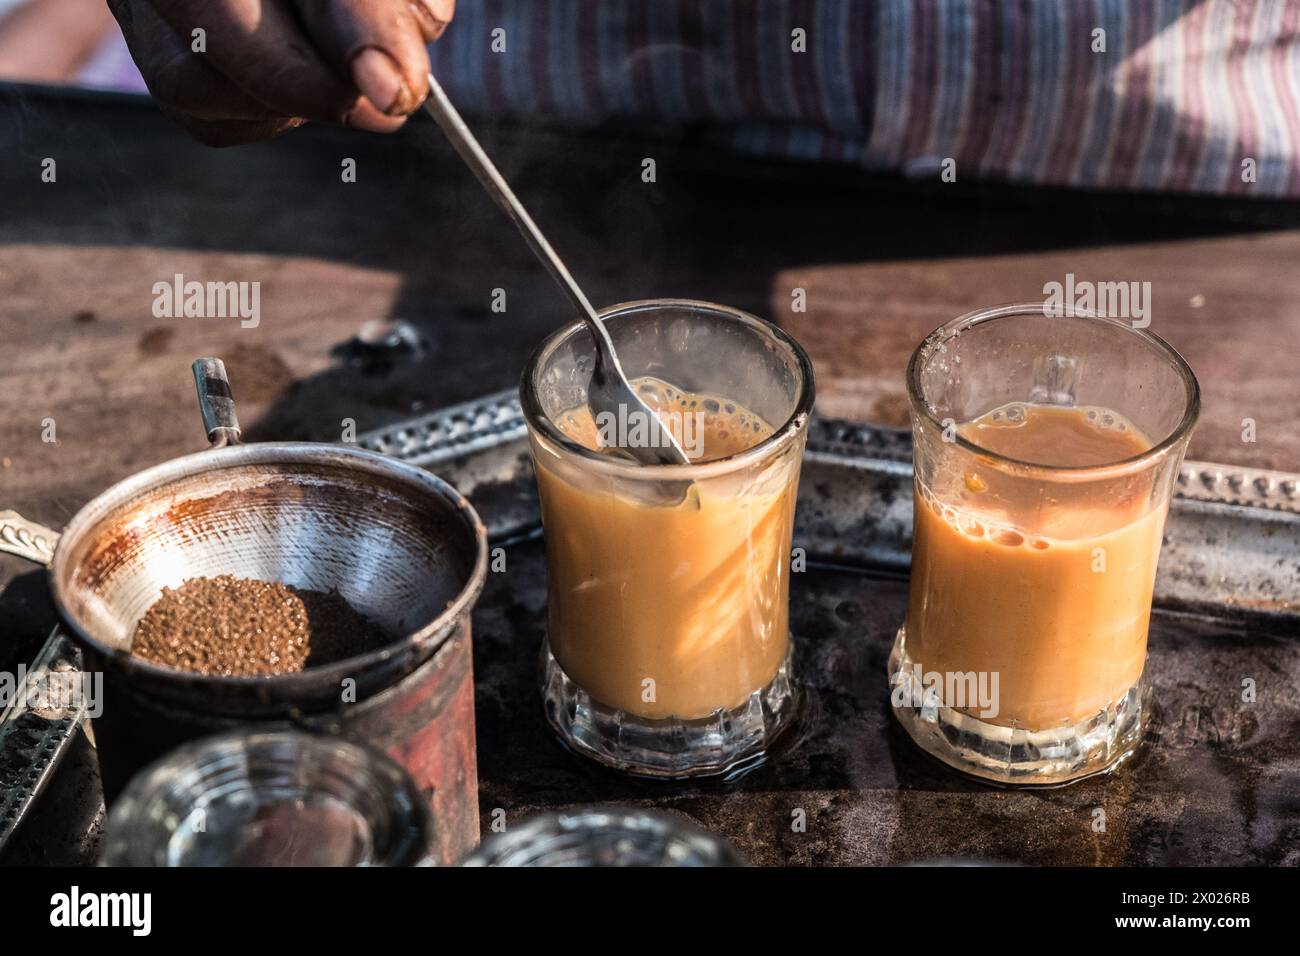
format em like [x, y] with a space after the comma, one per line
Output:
[1218, 780]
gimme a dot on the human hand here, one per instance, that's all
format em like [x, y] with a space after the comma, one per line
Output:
[259, 67]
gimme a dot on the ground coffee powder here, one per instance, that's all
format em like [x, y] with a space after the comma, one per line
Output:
[236, 627]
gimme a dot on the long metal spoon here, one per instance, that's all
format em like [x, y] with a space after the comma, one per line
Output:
[609, 393]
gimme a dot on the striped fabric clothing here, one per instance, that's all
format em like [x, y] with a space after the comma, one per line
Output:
[1199, 96]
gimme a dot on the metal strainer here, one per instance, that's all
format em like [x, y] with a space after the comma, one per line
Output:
[401, 546]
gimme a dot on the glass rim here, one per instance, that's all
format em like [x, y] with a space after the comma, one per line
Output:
[584, 822]
[795, 424]
[1134, 463]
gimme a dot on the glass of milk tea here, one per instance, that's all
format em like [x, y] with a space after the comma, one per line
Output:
[668, 640]
[1046, 447]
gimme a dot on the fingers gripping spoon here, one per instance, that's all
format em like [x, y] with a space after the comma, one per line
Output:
[609, 391]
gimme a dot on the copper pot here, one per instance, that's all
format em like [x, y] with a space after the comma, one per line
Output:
[400, 545]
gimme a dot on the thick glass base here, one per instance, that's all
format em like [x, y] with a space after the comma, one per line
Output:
[726, 743]
[1010, 755]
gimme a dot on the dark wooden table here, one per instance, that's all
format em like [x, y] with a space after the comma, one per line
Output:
[882, 261]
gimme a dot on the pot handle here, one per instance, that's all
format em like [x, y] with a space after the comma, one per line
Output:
[215, 402]
[27, 539]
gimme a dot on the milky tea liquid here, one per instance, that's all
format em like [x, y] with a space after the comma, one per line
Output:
[664, 607]
[1052, 595]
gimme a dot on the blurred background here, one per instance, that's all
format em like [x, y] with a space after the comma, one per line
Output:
[64, 41]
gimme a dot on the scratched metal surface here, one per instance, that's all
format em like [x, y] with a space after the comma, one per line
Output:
[1217, 781]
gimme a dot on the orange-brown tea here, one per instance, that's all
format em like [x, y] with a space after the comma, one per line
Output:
[671, 607]
[1054, 596]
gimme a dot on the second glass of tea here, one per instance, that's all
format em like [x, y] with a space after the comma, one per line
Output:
[1046, 448]
[668, 645]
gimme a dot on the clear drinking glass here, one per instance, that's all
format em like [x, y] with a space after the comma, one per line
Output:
[604, 836]
[1022, 656]
[668, 649]
[269, 798]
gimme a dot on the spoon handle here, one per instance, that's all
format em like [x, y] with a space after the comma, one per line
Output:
[462, 140]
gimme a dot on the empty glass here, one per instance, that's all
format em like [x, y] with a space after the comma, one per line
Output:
[610, 836]
[268, 798]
